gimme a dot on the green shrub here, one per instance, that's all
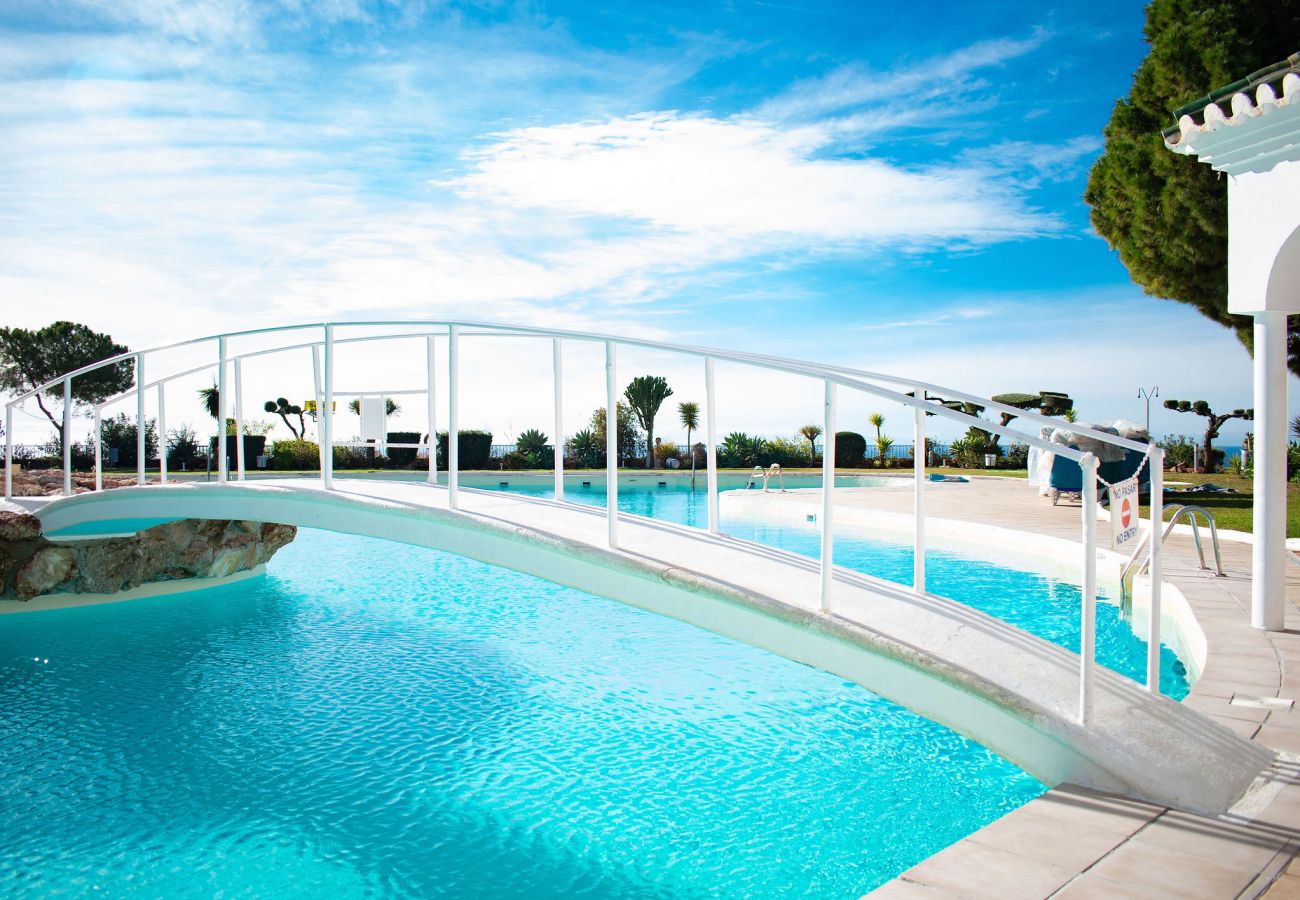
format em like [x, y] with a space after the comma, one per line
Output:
[1018, 456]
[739, 450]
[785, 452]
[300, 454]
[665, 451]
[474, 449]
[403, 456]
[850, 449]
[1178, 451]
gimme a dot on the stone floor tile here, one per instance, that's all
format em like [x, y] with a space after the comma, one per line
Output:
[1285, 888]
[1279, 738]
[1213, 687]
[1224, 842]
[899, 889]
[1065, 840]
[978, 872]
[1142, 864]
[1090, 887]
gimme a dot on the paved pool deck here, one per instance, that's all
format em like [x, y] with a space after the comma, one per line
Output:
[1076, 843]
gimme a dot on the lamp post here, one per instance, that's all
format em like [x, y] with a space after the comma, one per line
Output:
[1149, 395]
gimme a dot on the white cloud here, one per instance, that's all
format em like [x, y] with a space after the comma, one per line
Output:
[741, 179]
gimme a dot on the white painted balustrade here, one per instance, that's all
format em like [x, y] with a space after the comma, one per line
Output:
[323, 338]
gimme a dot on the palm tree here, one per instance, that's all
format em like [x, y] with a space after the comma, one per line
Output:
[812, 433]
[390, 408]
[878, 421]
[689, 411]
[210, 397]
[645, 394]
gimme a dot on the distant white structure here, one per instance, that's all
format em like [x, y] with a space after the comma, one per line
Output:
[1257, 143]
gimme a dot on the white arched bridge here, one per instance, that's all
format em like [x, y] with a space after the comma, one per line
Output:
[1055, 713]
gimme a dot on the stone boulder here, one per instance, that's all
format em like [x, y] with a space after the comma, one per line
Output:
[31, 565]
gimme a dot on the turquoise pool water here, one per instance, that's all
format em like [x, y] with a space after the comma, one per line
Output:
[372, 720]
[375, 720]
[1047, 607]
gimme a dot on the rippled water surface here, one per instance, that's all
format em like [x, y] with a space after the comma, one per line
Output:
[380, 720]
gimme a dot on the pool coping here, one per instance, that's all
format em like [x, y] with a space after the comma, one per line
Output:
[1078, 843]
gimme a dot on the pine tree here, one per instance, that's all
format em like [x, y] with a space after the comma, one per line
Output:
[1165, 213]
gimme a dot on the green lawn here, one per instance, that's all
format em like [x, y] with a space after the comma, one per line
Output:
[1232, 511]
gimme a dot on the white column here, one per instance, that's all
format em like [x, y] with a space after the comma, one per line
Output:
[557, 369]
[1156, 460]
[918, 497]
[141, 453]
[240, 465]
[453, 415]
[711, 445]
[1088, 625]
[319, 396]
[828, 498]
[99, 448]
[162, 434]
[9, 451]
[67, 437]
[1268, 559]
[432, 401]
[611, 441]
[327, 413]
[223, 470]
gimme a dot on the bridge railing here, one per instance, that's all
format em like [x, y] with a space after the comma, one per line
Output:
[321, 339]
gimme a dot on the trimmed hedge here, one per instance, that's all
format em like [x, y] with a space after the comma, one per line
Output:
[403, 456]
[850, 450]
[473, 447]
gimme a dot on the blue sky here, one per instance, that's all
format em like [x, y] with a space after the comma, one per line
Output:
[889, 185]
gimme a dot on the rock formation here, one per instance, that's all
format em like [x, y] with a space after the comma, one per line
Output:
[32, 565]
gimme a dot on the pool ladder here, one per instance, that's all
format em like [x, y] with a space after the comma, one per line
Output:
[1190, 513]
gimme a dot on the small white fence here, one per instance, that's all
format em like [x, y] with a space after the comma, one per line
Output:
[322, 338]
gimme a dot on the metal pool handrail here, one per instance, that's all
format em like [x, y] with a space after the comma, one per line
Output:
[321, 347]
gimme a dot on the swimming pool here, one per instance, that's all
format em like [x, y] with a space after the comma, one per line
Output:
[376, 719]
[1047, 607]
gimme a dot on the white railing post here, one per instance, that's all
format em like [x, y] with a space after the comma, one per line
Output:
[9, 451]
[319, 397]
[432, 403]
[99, 448]
[1156, 460]
[327, 413]
[162, 434]
[223, 470]
[141, 445]
[611, 441]
[1088, 627]
[711, 446]
[828, 498]
[918, 497]
[67, 437]
[557, 370]
[453, 415]
[239, 419]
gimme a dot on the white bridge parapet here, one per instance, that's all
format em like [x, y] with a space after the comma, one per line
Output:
[1011, 691]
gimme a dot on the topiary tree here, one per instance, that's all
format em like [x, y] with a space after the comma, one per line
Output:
[850, 449]
[284, 409]
[1167, 214]
[645, 394]
[1214, 421]
[1049, 403]
[29, 359]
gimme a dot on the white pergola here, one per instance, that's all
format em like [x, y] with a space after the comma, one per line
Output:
[1257, 144]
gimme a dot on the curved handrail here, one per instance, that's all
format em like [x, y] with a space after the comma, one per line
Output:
[1180, 511]
[832, 376]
